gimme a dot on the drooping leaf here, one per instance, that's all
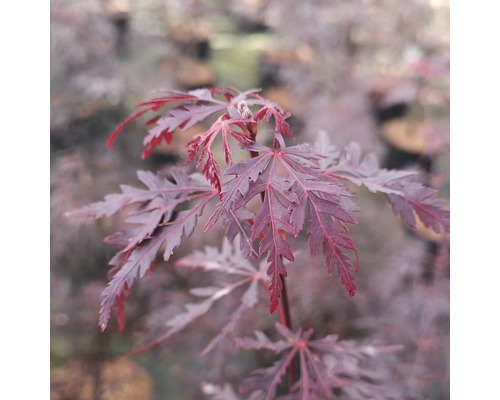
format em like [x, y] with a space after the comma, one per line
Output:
[271, 220]
[365, 170]
[156, 222]
[417, 200]
[327, 218]
[134, 266]
[408, 199]
[142, 256]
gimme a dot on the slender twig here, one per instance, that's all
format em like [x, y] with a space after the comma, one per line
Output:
[284, 303]
[292, 377]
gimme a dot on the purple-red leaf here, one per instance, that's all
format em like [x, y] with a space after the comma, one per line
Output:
[271, 220]
[189, 109]
[150, 142]
[320, 196]
[238, 223]
[290, 190]
[246, 172]
[327, 366]
[408, 199]
[157, 223]
[150, 105]
[143, 256]
[157, 185]
[202, 143]
[271, 109]
[416, 200]
[366, 171]
[135, 267]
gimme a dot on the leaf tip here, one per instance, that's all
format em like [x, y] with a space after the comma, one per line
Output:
[112, 138]
[273, 307]
[102, 326]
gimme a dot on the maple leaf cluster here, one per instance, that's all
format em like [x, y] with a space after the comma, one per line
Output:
[327, 365]
[279, 192]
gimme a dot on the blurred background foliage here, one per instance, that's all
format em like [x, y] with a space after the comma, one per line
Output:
[372, 71]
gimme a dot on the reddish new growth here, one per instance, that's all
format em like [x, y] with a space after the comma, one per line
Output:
[300, 189]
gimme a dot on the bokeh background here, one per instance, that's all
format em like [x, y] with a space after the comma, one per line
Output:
[375, 72]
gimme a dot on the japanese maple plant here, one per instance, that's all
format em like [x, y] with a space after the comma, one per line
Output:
[263, 196]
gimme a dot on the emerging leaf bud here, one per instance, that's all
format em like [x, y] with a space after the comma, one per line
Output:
[246, 113]
[244, 110]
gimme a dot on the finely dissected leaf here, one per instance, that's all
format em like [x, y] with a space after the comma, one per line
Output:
[329, 368]
[151, 142]
[143, 256]
[300, 190]
[228, 262]
[185, 116]
[366, 171]
[270, 222]
[328, 153]
[197, 105]
[188, 109]
[416, 200]
[135, 265]
[158, 202]
[246, 172]
[158, 187]
[224, 127]
[321, 197]
[238, 223]
[147, 106]
[408, 199]
[290, 190]
[269, 110]
[157, 223]
[202, 143]
[182, 117]
[268, 379]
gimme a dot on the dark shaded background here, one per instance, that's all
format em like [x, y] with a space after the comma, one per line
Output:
[376, 72]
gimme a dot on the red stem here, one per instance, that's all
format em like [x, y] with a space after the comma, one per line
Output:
[292, 377]
[284, 302]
